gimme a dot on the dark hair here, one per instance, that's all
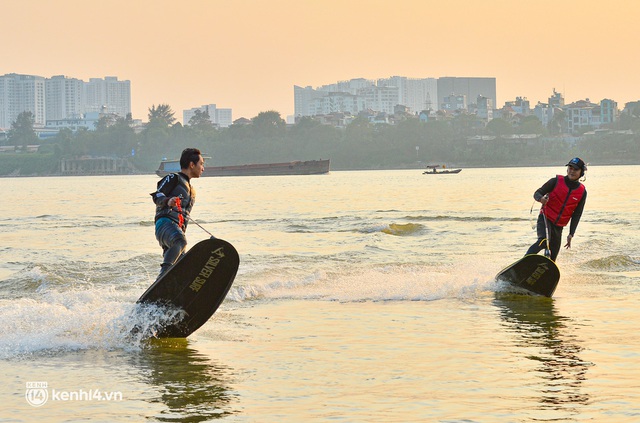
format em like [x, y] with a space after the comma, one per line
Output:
[189, 155]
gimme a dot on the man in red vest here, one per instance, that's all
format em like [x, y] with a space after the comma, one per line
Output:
[562, 199]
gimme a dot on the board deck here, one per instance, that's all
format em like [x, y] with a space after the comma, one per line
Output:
[535, 273]
[197, 284]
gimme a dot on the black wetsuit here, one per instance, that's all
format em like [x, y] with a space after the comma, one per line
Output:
[168, 229]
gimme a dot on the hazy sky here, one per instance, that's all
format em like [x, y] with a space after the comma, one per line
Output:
[248, 54]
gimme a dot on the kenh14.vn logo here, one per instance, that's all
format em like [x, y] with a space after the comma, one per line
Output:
[37, 394]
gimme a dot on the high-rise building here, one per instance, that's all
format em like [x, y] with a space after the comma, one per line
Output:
[63, 97]
[341, 97]
[60, 97]
[303, 98]
[21, 93]
[336, 103]
[352, 86]
[380, 99]
[107, 95]
[417, 94]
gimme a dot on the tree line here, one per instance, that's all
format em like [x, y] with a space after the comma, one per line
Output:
[408, 143]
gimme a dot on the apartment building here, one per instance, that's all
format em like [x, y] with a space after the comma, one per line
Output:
[336, 102]
[383, 95]
[582, 115]
[417, 94]
[107, 95]
[20, 93]
[59, 97]
[63, 97]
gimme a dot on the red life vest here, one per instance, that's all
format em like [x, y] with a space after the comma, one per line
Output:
[562, 202]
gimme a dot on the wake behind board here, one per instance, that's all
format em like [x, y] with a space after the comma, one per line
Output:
[533, 272]
[197, 284]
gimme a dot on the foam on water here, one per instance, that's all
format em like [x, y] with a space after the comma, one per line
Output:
[392, 282]
[60, 312]
[53, 316]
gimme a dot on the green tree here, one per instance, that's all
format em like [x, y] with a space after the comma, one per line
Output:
[268, 124]
[22, 132]
[63, 142]
[105, 121]
[359, 131]
[200, 119]
[465, 125]
[122, 136]
[161, 116]
[499, 127]
[531, 125]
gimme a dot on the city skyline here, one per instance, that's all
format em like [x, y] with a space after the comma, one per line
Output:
[248, 55]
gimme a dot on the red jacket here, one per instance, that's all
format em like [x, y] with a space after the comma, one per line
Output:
[562, 202]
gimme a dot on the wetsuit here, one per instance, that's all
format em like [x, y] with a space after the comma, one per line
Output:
[559, 217]
[169, 231]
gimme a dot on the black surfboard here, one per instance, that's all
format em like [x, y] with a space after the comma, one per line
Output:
[197, 284]
[533, 272]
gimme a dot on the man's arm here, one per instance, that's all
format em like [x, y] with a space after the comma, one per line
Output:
[545, 189]
[166, 185]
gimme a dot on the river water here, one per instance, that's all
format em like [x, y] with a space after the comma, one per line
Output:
[361, 297]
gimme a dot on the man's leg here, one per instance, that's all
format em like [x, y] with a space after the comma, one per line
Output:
[541, 243]
[555, 239]
[173, 243]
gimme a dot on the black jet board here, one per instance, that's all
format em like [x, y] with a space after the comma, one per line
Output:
[196, 284]
[533, 272]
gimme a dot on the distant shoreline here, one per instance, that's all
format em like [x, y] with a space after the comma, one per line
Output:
[59, 175]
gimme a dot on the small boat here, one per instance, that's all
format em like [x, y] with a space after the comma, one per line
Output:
[433, 170]
[310, 167]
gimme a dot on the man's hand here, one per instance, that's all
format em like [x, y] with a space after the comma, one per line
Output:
[568, 245]
[544, 199]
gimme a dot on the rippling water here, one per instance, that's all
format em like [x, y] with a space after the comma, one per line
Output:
[361, 296]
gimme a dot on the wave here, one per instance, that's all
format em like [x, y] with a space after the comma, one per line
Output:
[39, 278]
[78, 320]
[400, 229]
[614, 263]
[440, 218]
[76, 306]
[330, 221]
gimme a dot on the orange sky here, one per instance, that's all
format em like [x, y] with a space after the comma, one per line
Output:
[247, 54]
